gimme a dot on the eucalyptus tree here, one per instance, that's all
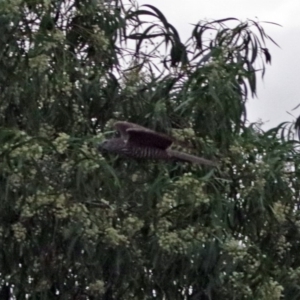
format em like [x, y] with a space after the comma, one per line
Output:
[76, 224]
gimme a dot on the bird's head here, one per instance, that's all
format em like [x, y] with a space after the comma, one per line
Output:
[112, 145]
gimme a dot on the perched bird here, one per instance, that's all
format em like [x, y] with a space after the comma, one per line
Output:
[139, 142]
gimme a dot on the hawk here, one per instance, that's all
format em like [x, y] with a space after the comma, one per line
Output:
[139, 142]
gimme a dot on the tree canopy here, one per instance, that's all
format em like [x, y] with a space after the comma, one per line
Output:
[78, 224]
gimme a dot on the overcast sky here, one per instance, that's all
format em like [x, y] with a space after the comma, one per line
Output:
[279, 93]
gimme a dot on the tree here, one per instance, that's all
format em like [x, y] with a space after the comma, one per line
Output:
[79, 225]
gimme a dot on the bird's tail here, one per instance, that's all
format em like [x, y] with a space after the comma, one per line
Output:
[191, 158]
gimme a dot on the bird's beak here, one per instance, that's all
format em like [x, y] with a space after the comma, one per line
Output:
[100, 146]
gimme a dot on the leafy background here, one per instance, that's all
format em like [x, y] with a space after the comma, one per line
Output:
[78, 225]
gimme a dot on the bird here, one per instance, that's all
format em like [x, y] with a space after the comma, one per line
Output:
[136, 141]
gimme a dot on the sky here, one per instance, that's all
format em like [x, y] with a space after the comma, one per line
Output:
[279, 92]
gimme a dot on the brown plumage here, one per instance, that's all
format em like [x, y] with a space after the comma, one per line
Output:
[139, 142]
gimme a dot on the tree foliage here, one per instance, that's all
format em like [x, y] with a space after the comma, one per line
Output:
[75, 224]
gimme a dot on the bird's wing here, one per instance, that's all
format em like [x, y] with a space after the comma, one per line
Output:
[122, 128]
[148, 138]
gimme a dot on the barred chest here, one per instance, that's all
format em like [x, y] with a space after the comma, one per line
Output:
[144, 152]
